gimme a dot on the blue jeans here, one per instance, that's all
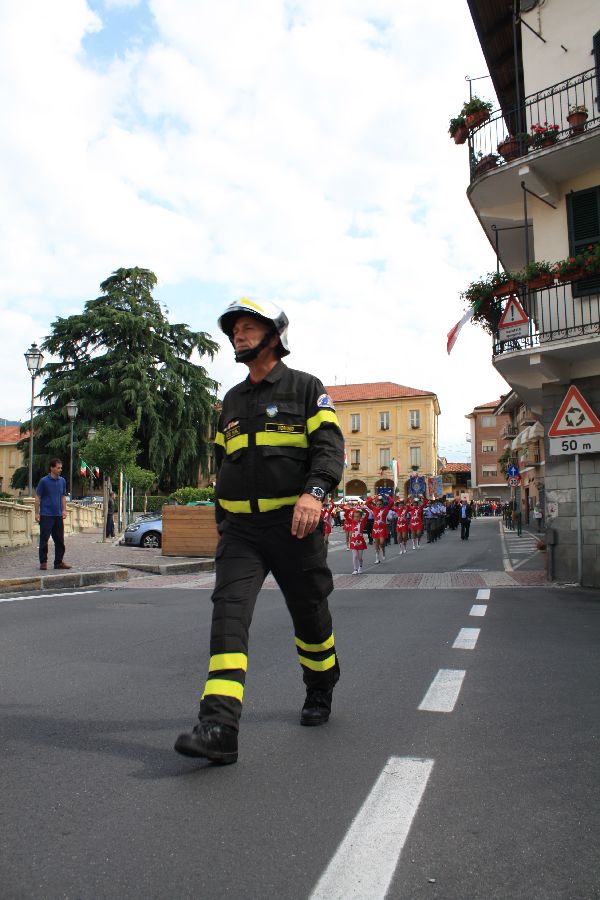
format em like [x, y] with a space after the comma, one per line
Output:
[52, 526]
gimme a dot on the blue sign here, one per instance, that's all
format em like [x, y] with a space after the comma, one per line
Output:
[512, 471]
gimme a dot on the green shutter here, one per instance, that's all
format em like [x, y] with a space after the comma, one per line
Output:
[583, 209]
[596, 51]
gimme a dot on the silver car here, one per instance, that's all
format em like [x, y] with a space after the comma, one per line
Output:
[145, 532]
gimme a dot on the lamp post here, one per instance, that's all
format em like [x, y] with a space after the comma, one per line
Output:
[91, 435]
[72, 409]
[33, 358]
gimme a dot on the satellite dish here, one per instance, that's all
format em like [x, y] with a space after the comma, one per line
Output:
[528, 5]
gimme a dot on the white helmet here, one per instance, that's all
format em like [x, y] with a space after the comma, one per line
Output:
[266, 312]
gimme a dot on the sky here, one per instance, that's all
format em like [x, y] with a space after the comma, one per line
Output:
[289, 150]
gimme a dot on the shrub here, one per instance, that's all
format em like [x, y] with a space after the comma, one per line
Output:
[190, 495]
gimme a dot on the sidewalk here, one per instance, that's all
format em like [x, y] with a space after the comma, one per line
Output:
[92, 561]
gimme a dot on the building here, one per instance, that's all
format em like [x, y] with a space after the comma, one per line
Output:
[524, 448]
[456, 480]
[10, 458]
[382, 422]
[488, 481]
[537, 199]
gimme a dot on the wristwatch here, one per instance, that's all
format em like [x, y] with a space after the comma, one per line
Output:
[316, 492]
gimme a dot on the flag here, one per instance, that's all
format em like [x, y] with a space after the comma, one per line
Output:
[96, 472]
[345, 457]
[454, 332]
[82, 467]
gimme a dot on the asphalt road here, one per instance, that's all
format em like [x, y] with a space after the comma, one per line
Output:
[497, 797]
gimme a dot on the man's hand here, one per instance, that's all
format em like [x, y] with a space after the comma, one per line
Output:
[37, 517]
[307, 513]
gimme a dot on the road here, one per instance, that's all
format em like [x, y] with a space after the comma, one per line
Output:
[460, 762]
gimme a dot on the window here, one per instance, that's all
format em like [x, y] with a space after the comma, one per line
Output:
[385, 457]
[415, 418]
[355, 457]
[583, 218]
[355, 422]
[12, 462]
[489, 471]
[415, 457]
[488, 446]
[384, 421]
[488, 421]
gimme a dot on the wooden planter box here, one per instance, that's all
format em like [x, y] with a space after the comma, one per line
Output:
[189, 531]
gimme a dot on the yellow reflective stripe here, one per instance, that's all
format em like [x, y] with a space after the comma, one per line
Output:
[275, 503]
[275, 439]
[236, 443]
[324, 415]
[314, 648]
[235, 506]
[224, 688]
[318, 665]
[228, 661]
[220, 439]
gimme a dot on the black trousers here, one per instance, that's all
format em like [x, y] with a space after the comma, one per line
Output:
[465, 524]
[246, 553]
[110, 525]
[52, 526]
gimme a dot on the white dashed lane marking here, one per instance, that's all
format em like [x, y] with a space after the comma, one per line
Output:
[364, 863]
[478, 610]
[443, 691]
[483, 594]
[467, 638]
[45, 596]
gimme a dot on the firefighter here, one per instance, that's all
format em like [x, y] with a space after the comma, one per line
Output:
[279, 451]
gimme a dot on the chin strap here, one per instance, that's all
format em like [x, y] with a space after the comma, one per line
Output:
[246, 356]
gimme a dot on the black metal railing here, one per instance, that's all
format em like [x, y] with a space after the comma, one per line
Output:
[549, 109]
[554, 315]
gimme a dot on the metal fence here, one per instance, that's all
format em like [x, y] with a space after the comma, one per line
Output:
[548, 109]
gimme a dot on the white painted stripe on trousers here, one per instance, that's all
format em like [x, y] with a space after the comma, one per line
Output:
[364, 864]
[467, 638]
[483, 594]
[443, 691]
[478, 610]
[44, 596]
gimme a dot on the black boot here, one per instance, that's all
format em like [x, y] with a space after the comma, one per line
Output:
[210, 740]
[317, 707]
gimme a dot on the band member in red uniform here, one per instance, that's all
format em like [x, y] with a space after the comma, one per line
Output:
[357, 538]
[416, 522]
[348, 510]
[326, 515]
[380, 531]
[402, 526]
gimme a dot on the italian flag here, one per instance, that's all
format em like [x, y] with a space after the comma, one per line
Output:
[82, 467]
[454, 332]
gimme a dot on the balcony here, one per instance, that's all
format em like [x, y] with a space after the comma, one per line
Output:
[509, 432]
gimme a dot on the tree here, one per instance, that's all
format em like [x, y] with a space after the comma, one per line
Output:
[141, 479]
[111, 449]
[126, 365]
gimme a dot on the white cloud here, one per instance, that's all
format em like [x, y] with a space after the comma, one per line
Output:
[275, 148]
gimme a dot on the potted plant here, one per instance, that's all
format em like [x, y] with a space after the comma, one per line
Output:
[476, 111]
[479, 295]
[537, 275]
[503, 283]
[458, 129]
[544, 135]
[484, 163]
[570, 269]
[591, 259]
[577, 118]
[514, 146]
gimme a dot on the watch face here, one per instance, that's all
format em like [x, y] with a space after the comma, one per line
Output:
[318, 492]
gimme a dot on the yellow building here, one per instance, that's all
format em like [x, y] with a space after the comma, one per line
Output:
[383, 421]
[10, 457]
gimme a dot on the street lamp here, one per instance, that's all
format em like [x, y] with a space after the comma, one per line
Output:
[72, 413]
[91, 435]
[33, 358]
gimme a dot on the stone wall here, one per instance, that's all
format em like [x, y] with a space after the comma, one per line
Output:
[560, 489]
[18, 526]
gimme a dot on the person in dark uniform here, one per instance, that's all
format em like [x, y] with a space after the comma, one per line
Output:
[279, 450]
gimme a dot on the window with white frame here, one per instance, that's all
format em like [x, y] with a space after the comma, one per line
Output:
[355, 457]
[488, 421]
[415, 418]
[384, 421]
[355, 421]
[489, 446]
[489, 471]
[385, 457]
[415, 456]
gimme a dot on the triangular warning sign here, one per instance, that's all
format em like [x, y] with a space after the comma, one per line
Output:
[575, 416]
[514, 314]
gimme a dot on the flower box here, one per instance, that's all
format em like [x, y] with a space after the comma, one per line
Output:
[461, 134]
[476, 118]
[577, 121]
[485, 164]
[540, 282]
[509, 287]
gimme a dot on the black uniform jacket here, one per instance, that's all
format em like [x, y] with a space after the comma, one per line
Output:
[275, 440]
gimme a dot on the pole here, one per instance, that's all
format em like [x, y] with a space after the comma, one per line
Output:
[30, 484]
[71, 465]
[579, 528]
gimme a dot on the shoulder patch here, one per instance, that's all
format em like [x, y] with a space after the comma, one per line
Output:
[325, 402]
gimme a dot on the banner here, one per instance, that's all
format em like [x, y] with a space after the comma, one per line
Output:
[82, 467]
[416, 485]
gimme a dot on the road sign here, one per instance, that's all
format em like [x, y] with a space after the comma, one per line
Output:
[579, 443]
[512, 471]
[574, 417]
[514, 322]
[513, 480]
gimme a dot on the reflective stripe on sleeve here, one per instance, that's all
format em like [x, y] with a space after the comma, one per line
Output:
[224, 688]
[318, 665]
[324, 415]
[275, 439]
[315, 648]
[220, 439]
[228, 661]
[236, 443]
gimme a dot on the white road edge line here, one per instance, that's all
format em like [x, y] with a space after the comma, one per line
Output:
[364, 863]
[483, 594]
[478, 610]
[44, 596]
[466, 639]
[443, 691]
[506, 561]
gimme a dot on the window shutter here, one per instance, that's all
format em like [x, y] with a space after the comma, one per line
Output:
[583, 209]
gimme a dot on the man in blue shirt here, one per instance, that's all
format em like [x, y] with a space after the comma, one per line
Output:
[50, 512]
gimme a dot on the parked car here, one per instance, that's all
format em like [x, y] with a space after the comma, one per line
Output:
[144, 532]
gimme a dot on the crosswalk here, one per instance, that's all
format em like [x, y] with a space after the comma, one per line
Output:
[518, 549]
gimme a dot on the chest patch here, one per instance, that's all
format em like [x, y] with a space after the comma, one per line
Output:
[281, 428]
[272, 410]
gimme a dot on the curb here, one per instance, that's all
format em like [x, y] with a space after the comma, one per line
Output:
[178, 568]
[73, 579]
